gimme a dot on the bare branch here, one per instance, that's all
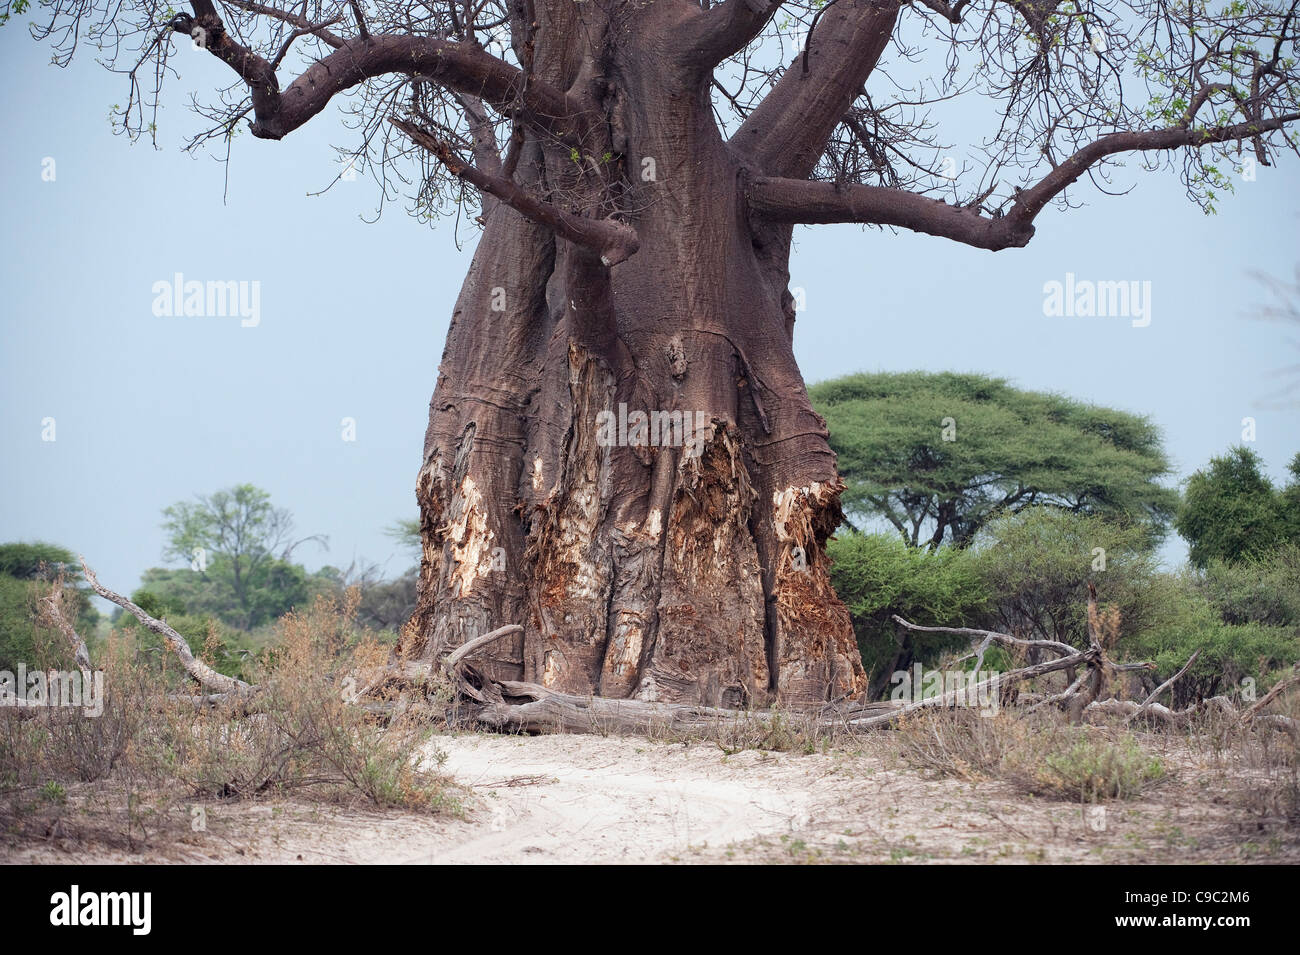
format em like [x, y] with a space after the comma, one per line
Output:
[614, 241]
[790, 200]
[459, 66]
[52, 607]
[206, 676]
[1155, 694]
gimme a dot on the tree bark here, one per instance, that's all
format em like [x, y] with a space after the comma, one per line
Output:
[690, 568]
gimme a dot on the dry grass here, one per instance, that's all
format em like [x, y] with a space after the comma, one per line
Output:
[1044, 755]
[1256, 769]
[1039, 753]
[136, 773]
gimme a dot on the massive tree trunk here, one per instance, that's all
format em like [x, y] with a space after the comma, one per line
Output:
[680, 561]
[634, 264]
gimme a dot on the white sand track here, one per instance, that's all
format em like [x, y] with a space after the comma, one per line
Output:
[616, 802]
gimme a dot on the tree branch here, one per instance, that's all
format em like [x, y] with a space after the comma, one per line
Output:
[802, 201]
[614, 241]
[52, 607]
[712, 35]
[286, 16]
[200, 671]
[1030, 202]
[466, 68]
[788, 131]
[1155, 694]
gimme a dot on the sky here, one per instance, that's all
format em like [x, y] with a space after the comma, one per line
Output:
[151, 409]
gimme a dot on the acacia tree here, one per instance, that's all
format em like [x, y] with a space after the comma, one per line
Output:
[940, 455]
[640, 166]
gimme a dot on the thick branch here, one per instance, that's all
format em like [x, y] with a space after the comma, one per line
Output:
[802, 201]
[465, 68]
[787, 133]
[472, 646]
[711, 36]
[614, 241]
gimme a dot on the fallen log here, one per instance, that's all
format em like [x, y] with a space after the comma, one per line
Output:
[203, 674]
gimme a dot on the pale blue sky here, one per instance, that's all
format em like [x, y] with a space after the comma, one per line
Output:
[151, 410]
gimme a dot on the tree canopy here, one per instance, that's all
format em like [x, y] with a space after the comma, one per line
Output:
[28, 561]
[1231, 511]
[238, 547]
[938, 456]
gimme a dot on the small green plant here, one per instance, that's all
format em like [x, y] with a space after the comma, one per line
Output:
[54, 792]
[1093, 770]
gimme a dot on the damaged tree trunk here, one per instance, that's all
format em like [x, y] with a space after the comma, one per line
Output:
[625, 460]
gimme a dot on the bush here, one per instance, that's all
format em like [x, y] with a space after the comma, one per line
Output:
[1037, 753]
[18, 626]
[1094, 770]
[1263, 590]
[1228, 618]
[1229, 655]
[878, 575]
[1037, 565]
[153, 750]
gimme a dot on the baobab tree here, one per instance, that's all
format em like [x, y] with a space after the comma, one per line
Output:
[621, 456]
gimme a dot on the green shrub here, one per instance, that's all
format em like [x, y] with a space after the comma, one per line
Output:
[18, 637]
[878, 575]
[1037, 565]
[1263, 590]
[1040, 753]
[1093, 769]
[1229, 655]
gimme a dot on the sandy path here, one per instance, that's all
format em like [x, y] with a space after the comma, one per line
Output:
[614, 800]
[588, 799]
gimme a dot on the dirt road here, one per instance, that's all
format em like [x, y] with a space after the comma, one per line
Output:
[617, 800]
[589, 799]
